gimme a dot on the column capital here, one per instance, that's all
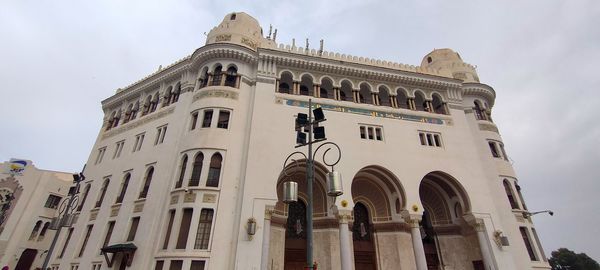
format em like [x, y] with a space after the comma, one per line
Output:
[344, 216]
[477, 223]
[412, 219]
[269, 210]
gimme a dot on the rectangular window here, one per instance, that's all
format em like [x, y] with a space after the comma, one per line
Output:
[176, 265]
[169, 227]
[378, 134]
[85, 240]
[139, 140]
[133, 229]
[528, 245]
[430, 139]
[111, 226]
[521, 196]
[503, 152]
[160, 134]
[370, 132]
[159, 265]
[197, 265]
[223, 119]
[100, 155]
[207, 118]
[184, 229]
[62, 251]
[194, 120]
[118, 149]
[204, 227]
[363, 132]
[494, 149]
[52, 201]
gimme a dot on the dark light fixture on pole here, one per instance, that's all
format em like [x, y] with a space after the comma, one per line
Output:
[309, 132]
[66, 209]
[529, 214]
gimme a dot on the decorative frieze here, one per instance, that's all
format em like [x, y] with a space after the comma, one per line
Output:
[249, 42]
[223, 38]
[219, 93]
[136, 123]
[189, 198]
[209, 198]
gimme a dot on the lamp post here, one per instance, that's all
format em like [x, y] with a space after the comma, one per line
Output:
[315, 134]
[529, 214]
[65, 209]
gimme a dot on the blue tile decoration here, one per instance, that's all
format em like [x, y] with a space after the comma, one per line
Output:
[398, 116]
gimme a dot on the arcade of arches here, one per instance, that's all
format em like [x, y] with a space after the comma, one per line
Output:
[379, 232]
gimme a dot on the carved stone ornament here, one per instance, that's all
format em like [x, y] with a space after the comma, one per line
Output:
[215, 93]
[250, 43]
[223, 38]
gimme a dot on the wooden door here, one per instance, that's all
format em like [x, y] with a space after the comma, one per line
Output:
[26, 259]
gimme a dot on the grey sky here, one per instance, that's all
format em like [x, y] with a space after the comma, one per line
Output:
[59, 59]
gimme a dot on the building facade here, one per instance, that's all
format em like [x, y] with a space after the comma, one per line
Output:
[29, 199]
[187, 171]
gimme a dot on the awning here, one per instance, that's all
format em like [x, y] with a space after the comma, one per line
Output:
[126, 249]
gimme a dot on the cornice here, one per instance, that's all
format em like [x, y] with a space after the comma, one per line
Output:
[363, 71]
[480, 89]
[223, 50]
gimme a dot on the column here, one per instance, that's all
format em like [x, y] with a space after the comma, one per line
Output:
[237, 81]
[345, 253]
[223, 76]
[336, 93]
[393, 102]
[264, 261]
[415, 233]
[375, 98]
[295, 89]
[317, 90]
[446, 110]
[355, 96]
[484, 245]
[210, 78]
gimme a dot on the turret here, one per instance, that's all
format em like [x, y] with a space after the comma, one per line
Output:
[448, 63]
[241, 29]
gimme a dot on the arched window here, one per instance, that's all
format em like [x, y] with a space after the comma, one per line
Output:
[214, 171]
[420, 103]
[35, 230]
[182, 167]
[510, 195]
[102, 192]
[134, 110]
[361, 229]
[285, 83]
[128, 113]
[203, 80]
[110, 120]
[147, 182]
[401, 99]
[176, 93]
[306, 86]
[154, 102]
[384, 96]
[217, 74]
[85, 194]
[326, 89]
[196, 170]
[479, 111]
[43, 232]
[167, 96]
[123, 188]
[116, 118]
[231, 77]
[438, 104]
[346, 91]
[364, 95]
[147, 105]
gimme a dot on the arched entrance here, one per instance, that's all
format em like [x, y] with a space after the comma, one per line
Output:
[378, 202]
[362, 239]
[447, 238]
[26, 260]
[295, 237]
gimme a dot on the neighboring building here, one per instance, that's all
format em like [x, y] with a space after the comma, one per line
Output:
[29, 199]
[193, 154]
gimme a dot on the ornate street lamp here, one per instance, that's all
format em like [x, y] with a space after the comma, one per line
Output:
[308, 133]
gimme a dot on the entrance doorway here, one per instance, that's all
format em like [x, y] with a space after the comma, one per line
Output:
[295, 237]
[362, 236]
[26, 259]
[429, 243]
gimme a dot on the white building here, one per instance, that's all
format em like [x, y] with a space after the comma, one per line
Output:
[192, 155]
[29, 199]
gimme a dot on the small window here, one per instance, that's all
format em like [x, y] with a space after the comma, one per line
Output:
[204, 228]
[214, 171]
[378, 134]
[232, 17]
[160, 134]
[223, 119]
[147, 182]
[109, 231]
[43, 232]
[118, 149]
[133, 229]
[85, 240]
[139, 140]
[196, 170]
[371, 132]
[429, 60]
[528, 244]
[100, 155]
[494, 149]
[197, 265]
[66, 244]
[102, 193]
[169, 228]
[35, 230]
[430, 139]
[182, 168]
[207, 118]
[176, 265]
[52, 201]
[124, 186]
[363, 132]
[159, 265]
[194, 120]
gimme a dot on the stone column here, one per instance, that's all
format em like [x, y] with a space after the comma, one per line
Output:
[344, 216]
[415, 233]
[295, 89]
[237, 81]
[355, 96]
[484, 244]
[317, 90]
[264, 261]
[210, 78]
[223, 76]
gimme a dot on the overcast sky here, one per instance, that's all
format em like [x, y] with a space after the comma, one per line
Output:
[59, 59]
